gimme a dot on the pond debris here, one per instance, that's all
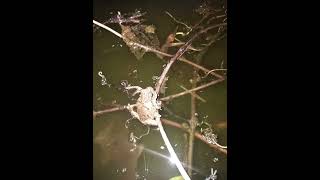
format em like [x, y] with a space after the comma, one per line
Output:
[133, 140]
[127, 18]
[211, 137]
[138, 33]
[103, 80]
[142, 34]
[134, 74]
[124, 83]
[124, 170]
[213, 175]
[155, 78]
[215, 159]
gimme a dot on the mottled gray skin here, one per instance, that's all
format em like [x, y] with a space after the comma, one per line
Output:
[147, 111]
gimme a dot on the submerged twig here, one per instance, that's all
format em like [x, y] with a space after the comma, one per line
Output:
[191, 90]
[194, 94]
[193, 124]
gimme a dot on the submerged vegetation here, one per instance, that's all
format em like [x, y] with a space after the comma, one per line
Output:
[148, 110]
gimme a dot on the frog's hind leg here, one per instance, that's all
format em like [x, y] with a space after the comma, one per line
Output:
[133, 113]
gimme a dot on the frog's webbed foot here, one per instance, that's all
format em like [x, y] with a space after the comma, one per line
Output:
[138, 89]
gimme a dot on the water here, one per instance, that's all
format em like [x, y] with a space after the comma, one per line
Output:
[112, 57]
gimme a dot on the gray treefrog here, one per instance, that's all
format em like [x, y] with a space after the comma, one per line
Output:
[147, 106]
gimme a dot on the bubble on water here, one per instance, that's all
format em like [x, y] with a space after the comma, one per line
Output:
[161, 147]
[103, 79]
[124, 170]
[215, 159]
[112, 45]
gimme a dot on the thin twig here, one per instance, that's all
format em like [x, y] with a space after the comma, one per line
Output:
[194, 94]
[119, 108]
[107, 28]
[180, 52]
[213, 70]
[201, 68]
[196, 134]
[191, 90]
[215, 17]
[179, 22]
[193, 124]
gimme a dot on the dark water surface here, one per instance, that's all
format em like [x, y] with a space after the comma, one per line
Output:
[114, 160]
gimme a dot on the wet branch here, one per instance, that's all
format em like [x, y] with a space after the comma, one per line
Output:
[191, 90]
[180, 52]
[193, 124]
[149, 49]
[196, 134]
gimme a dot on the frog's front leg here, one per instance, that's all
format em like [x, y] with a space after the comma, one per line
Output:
[138, 89]
[132, 112]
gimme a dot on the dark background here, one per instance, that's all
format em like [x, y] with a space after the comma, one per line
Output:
[47, 99]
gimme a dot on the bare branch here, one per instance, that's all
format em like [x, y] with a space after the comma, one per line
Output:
[196, 134]
[180, 52]
[149, 49]
[194, 94]
[191, 90]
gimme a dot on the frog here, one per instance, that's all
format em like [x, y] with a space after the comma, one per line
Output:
[147, 106]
